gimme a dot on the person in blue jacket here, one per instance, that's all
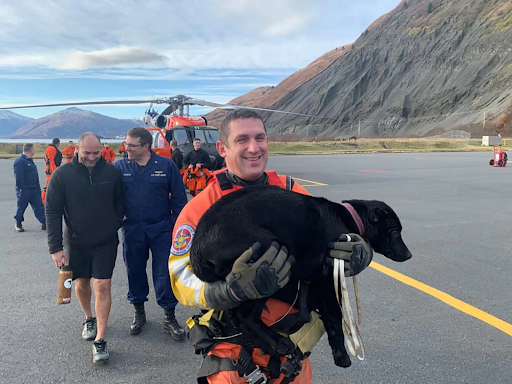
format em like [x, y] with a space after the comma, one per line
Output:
[28, 190]
[154, 196]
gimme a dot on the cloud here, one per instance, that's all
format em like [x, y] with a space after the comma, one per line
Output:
[81, 38]
[111, 57]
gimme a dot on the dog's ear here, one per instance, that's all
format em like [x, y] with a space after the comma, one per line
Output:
[377, 214]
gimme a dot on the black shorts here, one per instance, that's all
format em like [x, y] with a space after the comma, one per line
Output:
[96, 262]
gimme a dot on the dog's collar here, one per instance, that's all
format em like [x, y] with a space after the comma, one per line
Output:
[356, 217]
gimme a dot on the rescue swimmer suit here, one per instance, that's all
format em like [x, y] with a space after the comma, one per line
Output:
[190, 290]
[69, 153]
[28, 189]
[195, 179]
[53, 159]
[154, 196]
[108, 154]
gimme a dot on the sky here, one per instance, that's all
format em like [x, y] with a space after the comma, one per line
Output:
[61, 51]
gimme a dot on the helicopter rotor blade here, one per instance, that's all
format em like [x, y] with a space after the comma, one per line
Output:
[227, 106]
[108, 102]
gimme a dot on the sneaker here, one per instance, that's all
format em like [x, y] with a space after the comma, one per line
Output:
[43, 226]
[19, 228]
[89, 331]
[100, 351]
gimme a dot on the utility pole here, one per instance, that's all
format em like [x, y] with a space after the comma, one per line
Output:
[483, 124]
[359, 129]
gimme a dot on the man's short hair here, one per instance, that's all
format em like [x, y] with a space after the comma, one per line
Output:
[197, 139]
[237, 114]
[174, 143]
[143, 135]
[87, 134]
[56, 141]
[70, 141]
[28, 147]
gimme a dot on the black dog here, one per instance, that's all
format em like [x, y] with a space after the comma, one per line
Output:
[305, 225]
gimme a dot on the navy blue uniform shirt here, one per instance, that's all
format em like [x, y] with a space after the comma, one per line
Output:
[154, 196]
[25, 173]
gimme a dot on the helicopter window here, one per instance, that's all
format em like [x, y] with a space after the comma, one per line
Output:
[212, 135]
[181, 136]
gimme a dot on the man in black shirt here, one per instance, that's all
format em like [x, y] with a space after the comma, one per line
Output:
[176, 155]
[197, 156]
[88, 192]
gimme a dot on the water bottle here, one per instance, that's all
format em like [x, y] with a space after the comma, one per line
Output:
[65, 280]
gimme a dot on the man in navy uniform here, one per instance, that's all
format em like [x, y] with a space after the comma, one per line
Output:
[28, 190]
[154, 196]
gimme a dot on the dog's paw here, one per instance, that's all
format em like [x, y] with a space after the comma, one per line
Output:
[341, 359]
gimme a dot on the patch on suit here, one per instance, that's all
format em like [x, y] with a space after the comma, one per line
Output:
[182, 240]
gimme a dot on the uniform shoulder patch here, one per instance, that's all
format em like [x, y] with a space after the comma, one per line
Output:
[182, 241]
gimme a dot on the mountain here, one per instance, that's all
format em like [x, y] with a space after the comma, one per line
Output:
[10, 122]
[425, 67]
[71, 122]
[265, 97]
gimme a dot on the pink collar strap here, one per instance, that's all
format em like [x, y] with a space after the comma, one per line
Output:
[356, 217]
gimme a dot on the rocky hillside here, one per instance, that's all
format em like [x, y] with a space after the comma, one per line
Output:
[425, 67]
[10, 122]
[71, 122]
[265, 97]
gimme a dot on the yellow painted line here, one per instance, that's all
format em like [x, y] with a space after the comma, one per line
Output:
[444, 297]
[314, 183]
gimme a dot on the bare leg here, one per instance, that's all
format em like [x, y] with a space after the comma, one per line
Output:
[102, 304]
[83, 293]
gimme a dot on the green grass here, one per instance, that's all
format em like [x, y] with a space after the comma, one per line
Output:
[7, 150]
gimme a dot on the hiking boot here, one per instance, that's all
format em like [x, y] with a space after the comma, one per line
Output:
[19, 228]
[100, 351]
[89, 331]
[43, 226]
[171, 326]
[138, 320]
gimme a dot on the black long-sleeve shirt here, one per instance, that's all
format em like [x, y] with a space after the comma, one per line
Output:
[177, 157]
[92, 204]
[197, 156]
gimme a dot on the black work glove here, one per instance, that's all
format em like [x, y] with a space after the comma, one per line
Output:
[252, 277]
[354, 250]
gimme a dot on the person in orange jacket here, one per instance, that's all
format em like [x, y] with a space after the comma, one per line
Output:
[243, 143]
[53, 159]
[108, 153]
[202, 176]
[69, 151]
[190, 180]
[122, 150]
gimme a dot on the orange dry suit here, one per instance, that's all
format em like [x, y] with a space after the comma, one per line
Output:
[108, 154]
[202, 177]
[221, 353]
[69, 153]
[53, 159]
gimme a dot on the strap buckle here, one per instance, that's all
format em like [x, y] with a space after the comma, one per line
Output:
[256, 377]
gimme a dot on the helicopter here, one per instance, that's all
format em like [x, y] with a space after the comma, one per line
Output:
[175, 122]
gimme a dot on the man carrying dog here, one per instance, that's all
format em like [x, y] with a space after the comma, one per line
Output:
[243, 143]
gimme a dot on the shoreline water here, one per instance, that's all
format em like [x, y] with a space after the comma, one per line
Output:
[48, 141]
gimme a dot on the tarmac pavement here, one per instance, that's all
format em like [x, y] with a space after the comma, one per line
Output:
[457, 218]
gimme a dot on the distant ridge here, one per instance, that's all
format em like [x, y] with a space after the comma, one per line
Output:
[71, 122]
